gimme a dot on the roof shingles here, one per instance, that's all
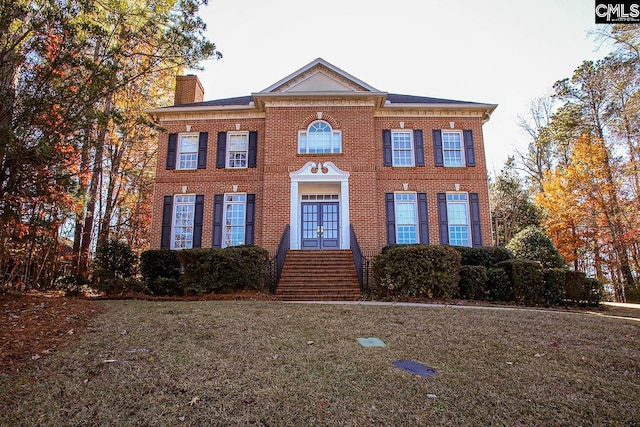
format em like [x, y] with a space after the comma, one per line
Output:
[393, 98]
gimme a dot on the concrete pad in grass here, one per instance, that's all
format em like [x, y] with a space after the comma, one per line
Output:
[371, 342]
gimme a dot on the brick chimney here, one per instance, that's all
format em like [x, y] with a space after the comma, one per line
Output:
[188, 90]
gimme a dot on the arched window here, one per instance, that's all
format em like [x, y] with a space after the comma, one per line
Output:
[319, 138]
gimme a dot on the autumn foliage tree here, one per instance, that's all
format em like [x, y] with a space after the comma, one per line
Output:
[590, 195]
[75, 144]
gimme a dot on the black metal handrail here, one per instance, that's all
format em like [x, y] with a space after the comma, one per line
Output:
[362, 262]
[277, 261]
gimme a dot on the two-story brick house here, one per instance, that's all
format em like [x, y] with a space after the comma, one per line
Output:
[320, 151]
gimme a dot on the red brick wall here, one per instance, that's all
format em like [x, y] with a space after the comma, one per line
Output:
[362, 157]
[188, 90]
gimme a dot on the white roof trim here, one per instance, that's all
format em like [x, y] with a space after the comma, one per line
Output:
[319, 61]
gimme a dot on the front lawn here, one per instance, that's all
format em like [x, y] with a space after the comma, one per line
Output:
[223, 363]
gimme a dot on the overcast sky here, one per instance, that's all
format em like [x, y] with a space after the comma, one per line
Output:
[504, 52]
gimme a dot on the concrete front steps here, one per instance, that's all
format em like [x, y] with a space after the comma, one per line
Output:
[327, 275]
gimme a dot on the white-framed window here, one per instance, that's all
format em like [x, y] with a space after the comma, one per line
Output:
[402, 148]
[319, 138]
[183, 220]
[235, 215]
[453, 148]
[188, 151]
[406, 210]
[458, 219]
[237, 149]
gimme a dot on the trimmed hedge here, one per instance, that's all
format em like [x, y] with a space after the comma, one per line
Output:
[204, 270]
[486, 256]
[498, 286]
[160, 270]
[223, 270]
[410, 270]
[582, 290]
[554, 279]
[473, 279]
[527, 280]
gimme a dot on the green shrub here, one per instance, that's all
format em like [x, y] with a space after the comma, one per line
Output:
[554, 285]
[533, 244]
[486, 256]
[114, 264]
[166, 286]
[574, 286]
[223, 270]
[498, 286]
[473, 279]
[527, 280]
[209, 270]
[411, 270]
[388, 248]
[582, 290]
[255, 261]
[594, 290]
[72, 284]
[160, 270]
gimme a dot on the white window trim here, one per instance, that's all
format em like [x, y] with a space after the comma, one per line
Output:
[415, 219]
[179, 150]
[174, 217]
[468, 224]
[413, 148]
[228, 151]
[333, 140]
[463, 161]
[223, 244]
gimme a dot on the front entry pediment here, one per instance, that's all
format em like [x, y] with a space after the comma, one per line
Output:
[321, 171]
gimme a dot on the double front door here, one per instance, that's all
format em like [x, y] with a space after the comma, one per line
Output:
[320, 225]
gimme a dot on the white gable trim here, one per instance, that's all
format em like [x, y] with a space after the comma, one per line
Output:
[316, 63]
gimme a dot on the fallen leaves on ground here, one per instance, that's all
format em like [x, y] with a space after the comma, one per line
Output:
[35, 324]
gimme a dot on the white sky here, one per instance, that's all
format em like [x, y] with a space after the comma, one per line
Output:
[504, 52]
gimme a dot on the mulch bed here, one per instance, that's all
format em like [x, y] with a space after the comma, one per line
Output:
[35, 324]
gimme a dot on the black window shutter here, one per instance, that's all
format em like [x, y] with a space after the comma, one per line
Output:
[167, 213]
[249, 225]
[197, 221]
[253, 149]
[391, 218]
[172, 148]
[476, 227]
[443, 221]
[216, 240]
[221, 150]
[418, 143]
[386, 148]
[423, 218]
[437, 147]
[469, 152]
[202, 150]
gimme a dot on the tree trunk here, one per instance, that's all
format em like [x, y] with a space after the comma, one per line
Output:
[87, 228]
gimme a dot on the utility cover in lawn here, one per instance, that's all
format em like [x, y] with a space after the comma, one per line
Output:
[415, 368]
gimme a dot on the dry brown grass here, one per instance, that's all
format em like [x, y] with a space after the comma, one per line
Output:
[249, 363]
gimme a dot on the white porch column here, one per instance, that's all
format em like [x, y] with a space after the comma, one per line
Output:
[345, 237]
[294, 230]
